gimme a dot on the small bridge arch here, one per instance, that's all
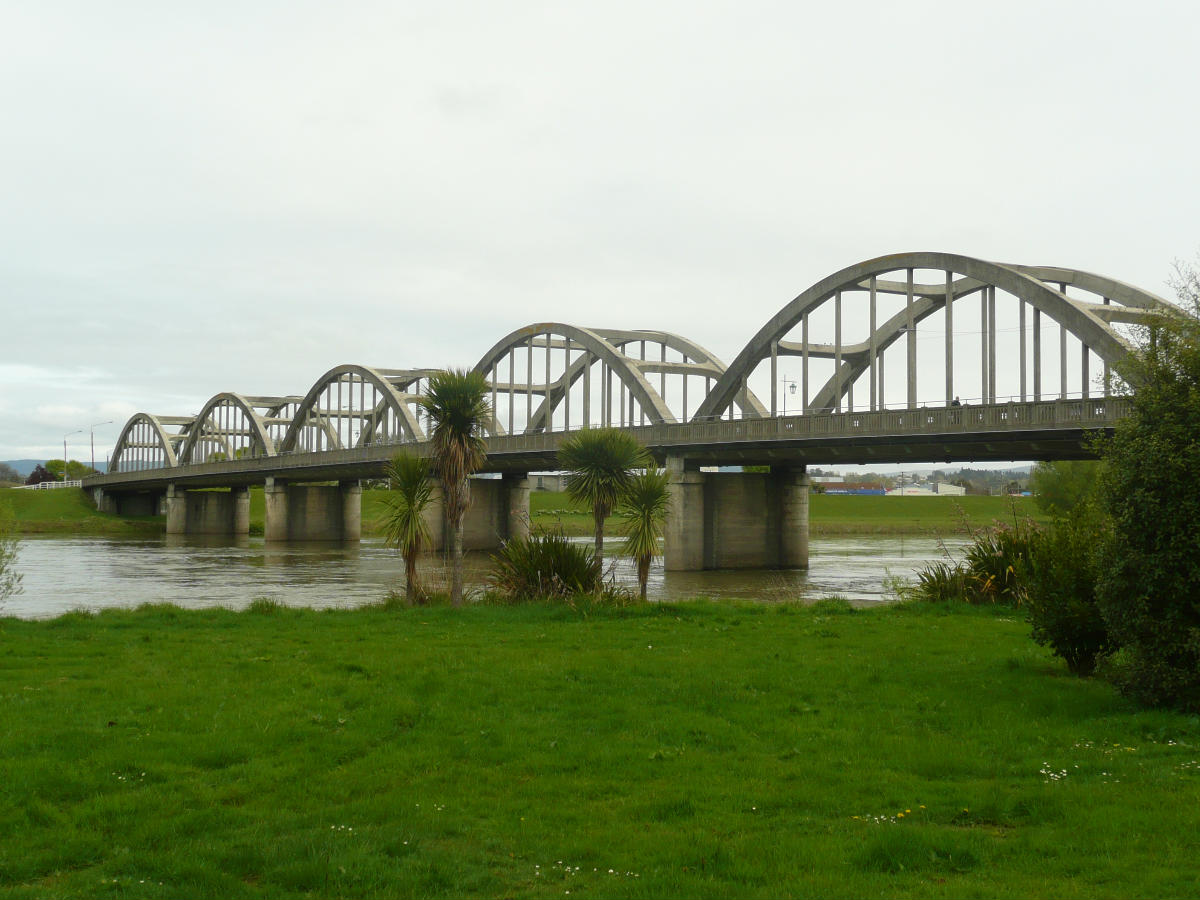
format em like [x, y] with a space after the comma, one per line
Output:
[145, 442]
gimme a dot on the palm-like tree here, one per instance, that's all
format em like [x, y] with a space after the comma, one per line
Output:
[458, 408]
[404, 525]
[600, 464]
[644, 509]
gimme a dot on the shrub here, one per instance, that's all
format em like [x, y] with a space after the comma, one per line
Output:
[10, 578]
[544, 567]
[1149, 572]
[994, 559]
[987, 573]
[1059, 579]
[941, 582]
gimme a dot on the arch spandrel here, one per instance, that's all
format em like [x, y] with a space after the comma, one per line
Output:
[1020, 282]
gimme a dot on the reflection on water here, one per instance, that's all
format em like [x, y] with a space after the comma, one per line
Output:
[66, 573]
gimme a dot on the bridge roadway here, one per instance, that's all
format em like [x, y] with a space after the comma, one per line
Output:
[1045, 430]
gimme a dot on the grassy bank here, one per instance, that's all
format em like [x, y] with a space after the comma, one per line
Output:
[850, 514]
[698, 750]
[70, 510]
[833, 514]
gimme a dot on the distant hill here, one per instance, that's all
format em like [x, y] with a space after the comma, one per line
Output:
[24, 466]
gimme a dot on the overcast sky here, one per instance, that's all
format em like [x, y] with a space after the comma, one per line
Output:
[238, 196]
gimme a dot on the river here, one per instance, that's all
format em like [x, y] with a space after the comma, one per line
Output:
[92, 573]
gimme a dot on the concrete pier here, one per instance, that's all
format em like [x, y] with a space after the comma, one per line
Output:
[312, 512]
[732, 520]
[499, 512]
[208, 512]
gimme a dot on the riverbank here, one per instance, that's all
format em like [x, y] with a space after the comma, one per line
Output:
[70, 511]
[687, 750]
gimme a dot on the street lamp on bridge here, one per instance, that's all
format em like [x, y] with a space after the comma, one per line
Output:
[65, 436]
[790, 384]
[92, 429]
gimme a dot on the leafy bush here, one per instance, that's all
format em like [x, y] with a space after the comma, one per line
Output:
[544, 567]
[10, 578]
[1059, 580]
[1148, 586]
[942, 582]
[993, 560]
[988, 571]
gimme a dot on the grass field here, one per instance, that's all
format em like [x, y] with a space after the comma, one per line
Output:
[691, 750]
[68, 510]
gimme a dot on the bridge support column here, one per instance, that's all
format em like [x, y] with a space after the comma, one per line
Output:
[176, 510]
[312, 512]
[351, 510]
[275, 496]
[516, 490]
[684, 537]
[792, 487]
[241, 510]
[207, 512]
[105, 503]
[729, 520]
[499, 512]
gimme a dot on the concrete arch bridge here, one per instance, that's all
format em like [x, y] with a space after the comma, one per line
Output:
[912, 357]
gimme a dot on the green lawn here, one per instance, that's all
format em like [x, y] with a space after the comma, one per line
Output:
[70, 510]
[696, 750]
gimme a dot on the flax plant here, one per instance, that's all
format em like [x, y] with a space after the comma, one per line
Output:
[644, 510]
[457, 404]
[601, 463]
[404, 525]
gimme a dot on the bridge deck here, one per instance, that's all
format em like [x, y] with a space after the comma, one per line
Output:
[1056, 429]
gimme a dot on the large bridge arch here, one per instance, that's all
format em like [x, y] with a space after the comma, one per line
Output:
[1044, 289]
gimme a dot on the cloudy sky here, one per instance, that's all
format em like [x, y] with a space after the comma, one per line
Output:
[238, 196]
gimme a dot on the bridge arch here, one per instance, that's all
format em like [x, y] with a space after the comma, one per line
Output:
[232, 425]
[1089, 319]
[353, 405]
[624, 393]
[145, 443]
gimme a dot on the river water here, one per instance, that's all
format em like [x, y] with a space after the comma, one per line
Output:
[67, 573]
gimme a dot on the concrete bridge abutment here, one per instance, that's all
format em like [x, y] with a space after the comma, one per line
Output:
[736, 520]
[128, 503]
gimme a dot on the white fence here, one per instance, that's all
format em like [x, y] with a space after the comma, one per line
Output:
[49, 485]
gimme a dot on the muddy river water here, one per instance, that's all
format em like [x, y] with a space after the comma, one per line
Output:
[66, 573]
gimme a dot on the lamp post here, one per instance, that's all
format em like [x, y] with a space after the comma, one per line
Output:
[790, 384]
[65, 436]
[92, 429]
